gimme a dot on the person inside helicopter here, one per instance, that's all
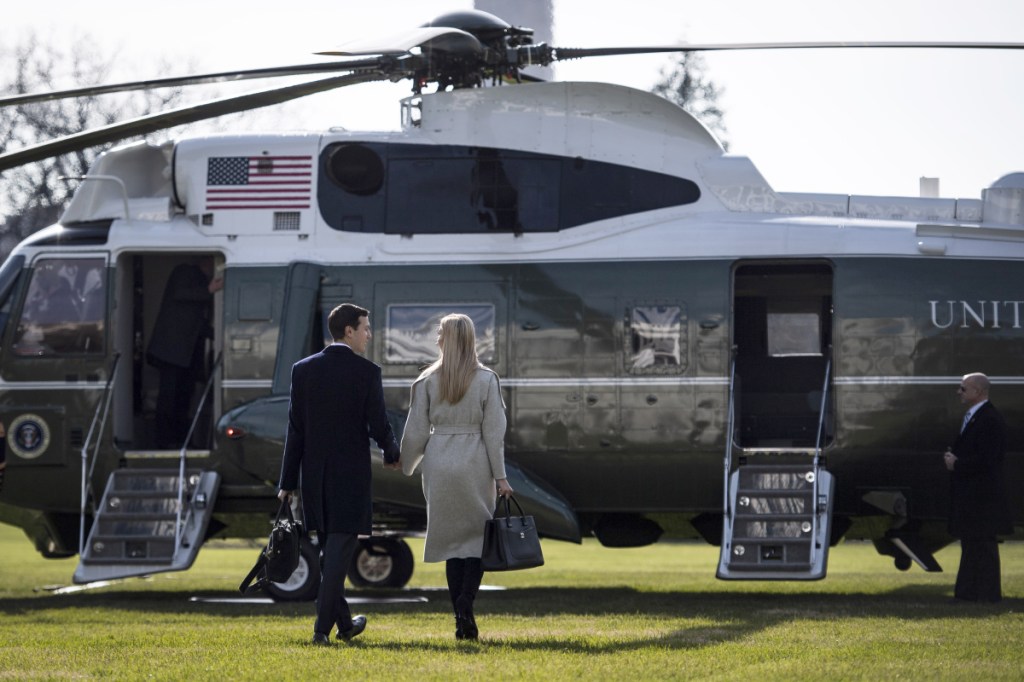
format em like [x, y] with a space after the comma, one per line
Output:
[176, 348]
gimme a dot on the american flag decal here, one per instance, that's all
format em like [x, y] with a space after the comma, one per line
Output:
[255, 182]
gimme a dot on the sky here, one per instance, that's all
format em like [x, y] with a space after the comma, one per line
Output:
[867, 122]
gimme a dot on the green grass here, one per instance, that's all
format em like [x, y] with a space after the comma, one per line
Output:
[589, 613]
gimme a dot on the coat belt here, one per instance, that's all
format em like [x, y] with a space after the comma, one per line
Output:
[454, 429]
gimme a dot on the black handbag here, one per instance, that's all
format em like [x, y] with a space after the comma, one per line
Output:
[511, 542]
[278, 560]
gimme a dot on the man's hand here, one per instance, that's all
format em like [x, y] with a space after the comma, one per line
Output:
[284, 494]
[397, 464]
[950, 460]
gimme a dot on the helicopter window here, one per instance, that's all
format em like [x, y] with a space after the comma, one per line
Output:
[794, 330]
[656, 339]
[411, 334]
[482, 191]
[448, 189]
[356, 169]
[65, 308]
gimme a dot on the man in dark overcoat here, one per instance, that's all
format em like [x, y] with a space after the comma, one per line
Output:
[979, 510]
[337, 405]
[177, 343]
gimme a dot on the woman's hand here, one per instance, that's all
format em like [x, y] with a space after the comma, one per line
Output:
[504, 489]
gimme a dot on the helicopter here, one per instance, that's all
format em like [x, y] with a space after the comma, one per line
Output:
[685, 352]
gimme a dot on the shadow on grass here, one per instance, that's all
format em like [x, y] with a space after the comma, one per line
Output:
[904, 602]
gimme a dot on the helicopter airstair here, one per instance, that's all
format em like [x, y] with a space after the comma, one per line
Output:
[777, 518]
[149, 520]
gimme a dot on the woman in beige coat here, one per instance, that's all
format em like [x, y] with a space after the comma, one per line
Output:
[456, 428]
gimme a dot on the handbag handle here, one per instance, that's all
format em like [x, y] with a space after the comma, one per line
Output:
[508, 500]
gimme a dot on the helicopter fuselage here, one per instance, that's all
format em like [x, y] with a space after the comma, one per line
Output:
[649, 302]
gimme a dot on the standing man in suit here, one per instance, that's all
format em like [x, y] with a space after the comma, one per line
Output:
[177, 346]
[979, 510]
[337, 405]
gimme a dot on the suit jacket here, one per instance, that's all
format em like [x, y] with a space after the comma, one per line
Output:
[337, 405]
[979, 506]
[182, 320]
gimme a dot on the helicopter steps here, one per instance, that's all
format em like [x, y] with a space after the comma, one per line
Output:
[778, 523]
[133, 532]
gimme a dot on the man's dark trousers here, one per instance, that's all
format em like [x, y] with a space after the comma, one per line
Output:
[336, 551]
[978, 578]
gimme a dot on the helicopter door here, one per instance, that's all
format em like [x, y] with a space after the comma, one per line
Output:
[782, 333]
[142, 281]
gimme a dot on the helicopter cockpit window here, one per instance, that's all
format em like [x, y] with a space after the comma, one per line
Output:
[411, 334]
[65, 308]
[657, 342]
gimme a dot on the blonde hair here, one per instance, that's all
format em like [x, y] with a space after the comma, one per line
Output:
[457, 360]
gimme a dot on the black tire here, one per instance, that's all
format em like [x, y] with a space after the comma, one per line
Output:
[305, 581]
[382, 563]
[903, 562]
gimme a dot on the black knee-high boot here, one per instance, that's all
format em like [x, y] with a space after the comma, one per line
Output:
[471, 578]
[455, 570]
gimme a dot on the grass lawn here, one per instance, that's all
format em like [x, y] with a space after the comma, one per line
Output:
[589, 613]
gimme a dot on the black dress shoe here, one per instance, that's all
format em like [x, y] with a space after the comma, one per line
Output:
[358, 625]
[320, 639]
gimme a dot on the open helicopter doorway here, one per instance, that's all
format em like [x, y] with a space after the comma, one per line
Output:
[145, 284]
[782, 331]
[778, 494]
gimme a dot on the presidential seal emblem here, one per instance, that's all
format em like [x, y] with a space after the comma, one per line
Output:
[28, 436]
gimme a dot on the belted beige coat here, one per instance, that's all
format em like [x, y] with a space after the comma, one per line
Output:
[462, 451]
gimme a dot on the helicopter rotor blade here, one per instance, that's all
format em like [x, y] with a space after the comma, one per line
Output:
[563, 53]
[179, 116]
[197, 79]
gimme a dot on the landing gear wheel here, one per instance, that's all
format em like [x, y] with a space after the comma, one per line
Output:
[381, 562]
[903, 562]
[305, 581]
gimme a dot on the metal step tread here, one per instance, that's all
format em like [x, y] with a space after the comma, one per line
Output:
[755, 539]
[132, 537]
[773, 566]
[136, 516]
[154, 494]
[128, 561]
[769, 516]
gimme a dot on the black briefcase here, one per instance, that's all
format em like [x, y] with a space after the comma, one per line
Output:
[277, 561]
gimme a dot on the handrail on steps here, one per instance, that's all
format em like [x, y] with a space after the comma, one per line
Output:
[183, 456]
[817, 454]
[103, 405]
[729, 437]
